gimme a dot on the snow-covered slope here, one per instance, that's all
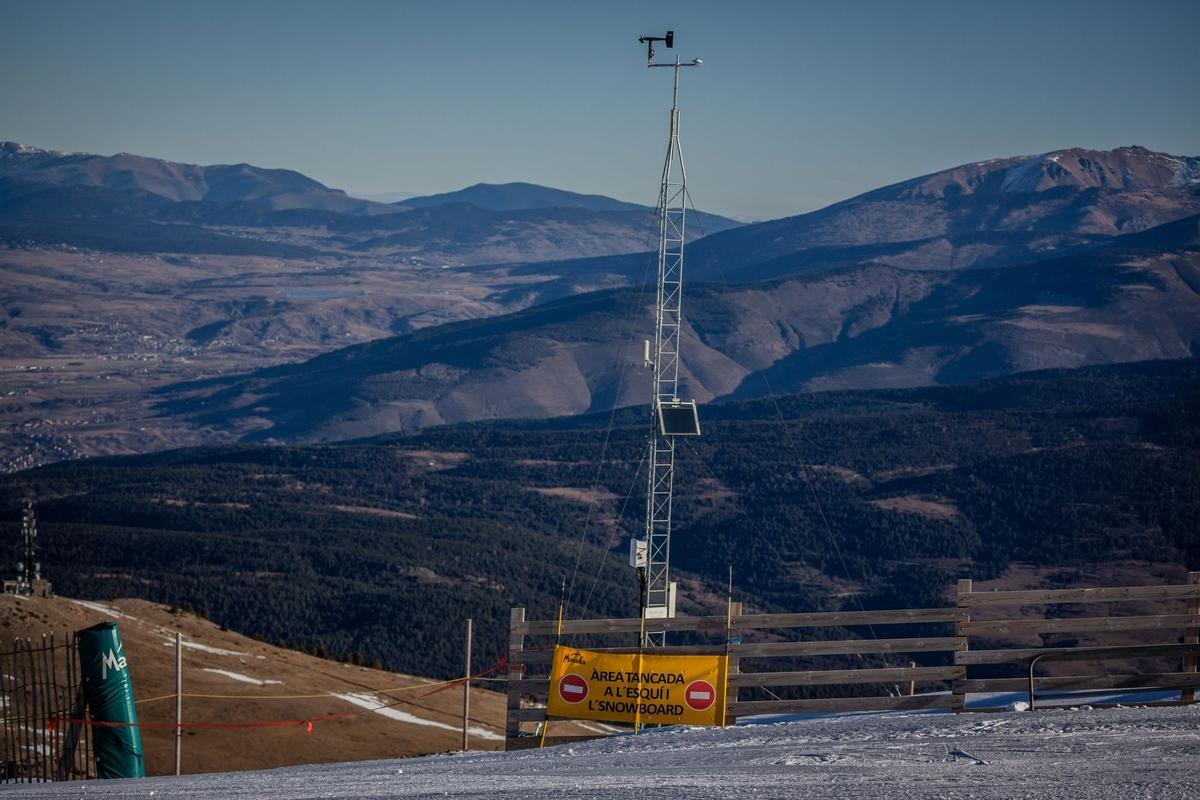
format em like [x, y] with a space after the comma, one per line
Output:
[1084, 754]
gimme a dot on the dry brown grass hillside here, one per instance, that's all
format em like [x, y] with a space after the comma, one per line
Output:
[217, 662]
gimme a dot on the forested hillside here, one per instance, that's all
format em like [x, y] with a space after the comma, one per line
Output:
[817, 501]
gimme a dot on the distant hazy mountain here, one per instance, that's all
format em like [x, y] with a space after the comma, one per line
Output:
[983, 214]
[138, 175]
[868, 326]
[512, 196]
[530, 196]
[393, 197]
[120, 202]
[987, 214]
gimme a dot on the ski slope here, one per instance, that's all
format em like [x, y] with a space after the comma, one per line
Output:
[1115, 754]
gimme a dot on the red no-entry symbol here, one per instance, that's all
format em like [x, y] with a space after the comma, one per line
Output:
[699, 695]
[572, 688]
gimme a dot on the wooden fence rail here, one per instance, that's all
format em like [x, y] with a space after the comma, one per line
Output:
[1157, 637]
[983, 630]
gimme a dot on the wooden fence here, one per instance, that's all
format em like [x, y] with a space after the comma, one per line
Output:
[933, 652]
[1135, 655]
[41, 681]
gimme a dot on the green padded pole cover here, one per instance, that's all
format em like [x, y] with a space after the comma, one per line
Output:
[108, 692]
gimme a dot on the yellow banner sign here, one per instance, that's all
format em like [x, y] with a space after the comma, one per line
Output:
[637, 687]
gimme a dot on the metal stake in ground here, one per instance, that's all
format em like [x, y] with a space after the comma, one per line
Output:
[178, 700]
[466, 745]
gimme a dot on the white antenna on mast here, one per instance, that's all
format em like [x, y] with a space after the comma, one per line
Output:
[670, 416]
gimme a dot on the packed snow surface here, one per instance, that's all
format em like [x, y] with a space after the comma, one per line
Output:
[1112, 754]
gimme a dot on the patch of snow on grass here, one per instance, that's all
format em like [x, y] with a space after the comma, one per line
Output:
[103, 609]
[204, 648]
[374, 701]
[237, 676]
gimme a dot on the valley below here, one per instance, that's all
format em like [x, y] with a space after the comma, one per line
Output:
[89, 337]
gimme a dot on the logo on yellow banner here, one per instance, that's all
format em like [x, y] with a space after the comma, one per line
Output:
[637, 687]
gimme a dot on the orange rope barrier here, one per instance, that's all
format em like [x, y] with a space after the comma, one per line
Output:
[279, 723]
[55, 722]
[443, 685]
[499, 665]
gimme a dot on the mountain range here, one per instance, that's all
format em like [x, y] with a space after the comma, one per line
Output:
[303, 323]
[988, 213]
[993, 213]
[31, 169]
[133, 203]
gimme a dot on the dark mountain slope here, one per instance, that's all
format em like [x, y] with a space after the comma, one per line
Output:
[867, 326]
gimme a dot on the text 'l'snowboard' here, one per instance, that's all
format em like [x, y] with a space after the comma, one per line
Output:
[637, 687]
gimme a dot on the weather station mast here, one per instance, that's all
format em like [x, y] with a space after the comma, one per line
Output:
[670, 416]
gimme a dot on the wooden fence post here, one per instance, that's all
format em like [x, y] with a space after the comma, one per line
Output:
[516, 643]
[1191, 636]
[734, 666]
[958, 690]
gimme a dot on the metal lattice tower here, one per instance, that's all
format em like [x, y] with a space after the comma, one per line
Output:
[29, 569]
[670, 416]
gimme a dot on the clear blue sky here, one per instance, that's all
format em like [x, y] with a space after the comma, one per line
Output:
[798, 104]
